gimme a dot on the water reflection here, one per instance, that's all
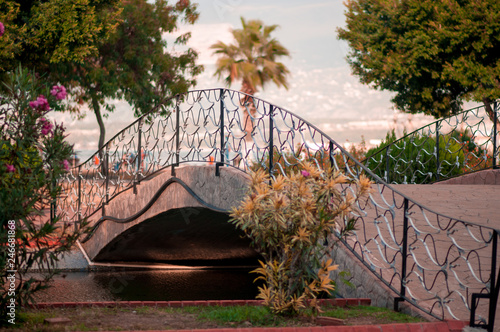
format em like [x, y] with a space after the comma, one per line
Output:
[152, 285]
[177, 285]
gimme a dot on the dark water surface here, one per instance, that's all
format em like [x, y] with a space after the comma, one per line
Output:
[178, 285]
[153, 285]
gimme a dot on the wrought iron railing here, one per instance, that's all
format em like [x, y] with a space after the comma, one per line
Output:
[452, 146]
[444, 266]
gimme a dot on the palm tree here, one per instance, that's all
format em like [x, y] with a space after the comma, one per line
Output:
[251, 60]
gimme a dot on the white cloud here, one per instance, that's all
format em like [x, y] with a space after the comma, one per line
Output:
[202, 37]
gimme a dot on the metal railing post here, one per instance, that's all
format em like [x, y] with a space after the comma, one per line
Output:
[331, 154]
[437, 152]
[177, 144]
[79, 201]
[492, 296]
[493, 293]
[404, 253]
[106, 161]
[387, 178]
[106, 179]
[271, 139]
[177, 126]
[222, 138]
[495, 120]
[139, 150]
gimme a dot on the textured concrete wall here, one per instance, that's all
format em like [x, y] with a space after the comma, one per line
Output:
[224, 192]
[366, 285]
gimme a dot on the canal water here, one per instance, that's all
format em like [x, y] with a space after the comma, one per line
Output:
[152, 285]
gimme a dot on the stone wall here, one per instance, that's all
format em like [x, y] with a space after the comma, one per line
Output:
[366, 285]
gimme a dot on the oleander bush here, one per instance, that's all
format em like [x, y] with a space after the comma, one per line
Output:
[293, 221]
[33, 156]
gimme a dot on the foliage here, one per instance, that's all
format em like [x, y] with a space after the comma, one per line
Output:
[134, 63]
[38, 33]
[412, 159]
[432, 54]
[289, 220]
[33, 155]
[369, 311]
[252, 58]
[256, 315]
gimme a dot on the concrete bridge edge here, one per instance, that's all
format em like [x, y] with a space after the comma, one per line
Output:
[223, 192]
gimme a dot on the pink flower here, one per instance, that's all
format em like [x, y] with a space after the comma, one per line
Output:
[66, 165]
[305, 173]
[10, 168]
[40, 103]
[2, 29]
[46, 126]
[59, 92]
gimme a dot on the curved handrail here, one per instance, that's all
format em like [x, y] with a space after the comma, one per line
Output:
[467, 143]
[406, 245]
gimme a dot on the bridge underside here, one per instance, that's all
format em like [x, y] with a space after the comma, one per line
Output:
[191, 236]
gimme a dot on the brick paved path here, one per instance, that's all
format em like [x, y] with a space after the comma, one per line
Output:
[473, 203]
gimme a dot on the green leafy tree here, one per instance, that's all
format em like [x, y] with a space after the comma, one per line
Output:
[33, 155]
[433, 54]
[252, 60]
[134, 63]
[40, 33]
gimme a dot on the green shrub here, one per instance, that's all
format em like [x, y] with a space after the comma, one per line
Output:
[289, 219]
[413, 159]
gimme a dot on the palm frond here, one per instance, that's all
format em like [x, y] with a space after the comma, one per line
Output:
[252, 56]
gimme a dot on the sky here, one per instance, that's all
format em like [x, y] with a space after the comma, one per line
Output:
[321, 87]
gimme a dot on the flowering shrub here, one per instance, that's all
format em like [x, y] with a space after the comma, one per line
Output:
[289, 220]
[58, 91]
[33, 155]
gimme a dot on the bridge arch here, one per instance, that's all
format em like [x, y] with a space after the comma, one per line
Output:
[193, 196]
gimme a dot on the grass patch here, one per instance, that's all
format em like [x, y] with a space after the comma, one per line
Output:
[151, 318]
[254, 315]
[369, 311]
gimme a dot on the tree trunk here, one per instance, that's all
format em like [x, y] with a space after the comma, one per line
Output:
[102, 128]
[102, 133]
[489, 110]
[248, 109]
[491, 114]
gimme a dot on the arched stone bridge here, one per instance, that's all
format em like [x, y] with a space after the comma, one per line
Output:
[164, 220]
[189, 156]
